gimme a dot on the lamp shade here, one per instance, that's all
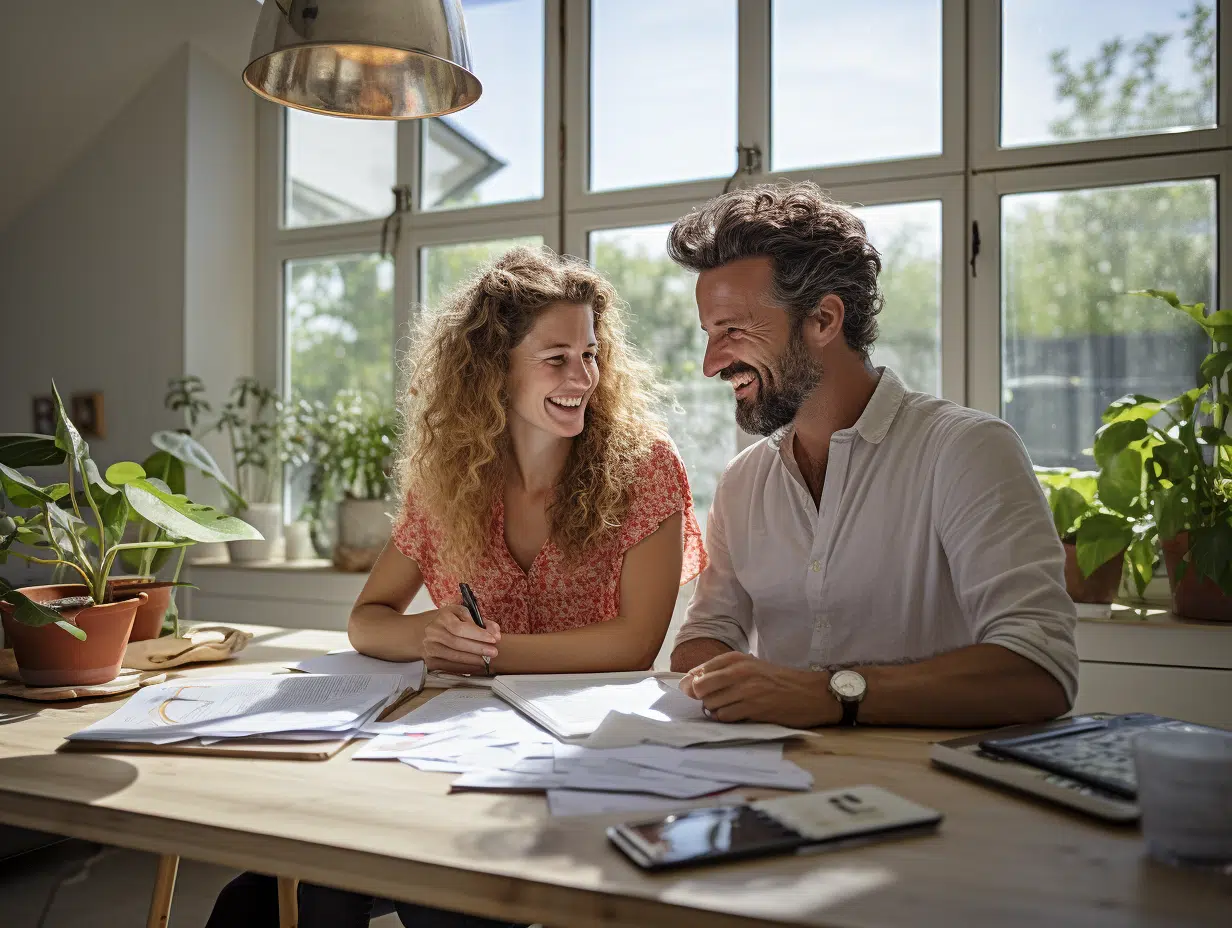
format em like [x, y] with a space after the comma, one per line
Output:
[367, 59]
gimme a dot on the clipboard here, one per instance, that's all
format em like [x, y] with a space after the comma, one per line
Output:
[263, 748]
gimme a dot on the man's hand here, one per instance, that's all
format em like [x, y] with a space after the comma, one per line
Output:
[453, 642]
[736, 687]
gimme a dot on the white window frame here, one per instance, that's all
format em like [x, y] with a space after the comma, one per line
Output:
[968, 177]
[986, 153]
[984, 291]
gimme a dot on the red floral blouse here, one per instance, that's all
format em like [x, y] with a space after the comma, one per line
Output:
[551, 597]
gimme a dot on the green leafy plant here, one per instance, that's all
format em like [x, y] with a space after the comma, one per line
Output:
[252, 420]
[80, 524]
[1102, 514]
[1186, 450]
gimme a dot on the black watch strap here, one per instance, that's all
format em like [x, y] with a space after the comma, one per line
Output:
[850, 710]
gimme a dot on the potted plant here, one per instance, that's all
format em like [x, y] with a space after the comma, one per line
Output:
[1188, 470]
[355, 443]
[1103, 525]
[251, 420]
[175, 452]
[75, 634]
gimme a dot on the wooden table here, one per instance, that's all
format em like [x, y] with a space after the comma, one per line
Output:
[386, 829]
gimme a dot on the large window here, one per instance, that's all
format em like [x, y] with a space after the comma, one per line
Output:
[1020, 165]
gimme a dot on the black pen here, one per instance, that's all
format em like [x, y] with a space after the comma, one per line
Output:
[472, 606]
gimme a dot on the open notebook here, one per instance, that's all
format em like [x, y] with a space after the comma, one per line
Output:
[622, 709]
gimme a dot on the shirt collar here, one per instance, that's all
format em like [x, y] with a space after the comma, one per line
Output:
[882, 407]
[873, 423]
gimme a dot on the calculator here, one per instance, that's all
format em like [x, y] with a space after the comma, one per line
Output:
[1095, 750]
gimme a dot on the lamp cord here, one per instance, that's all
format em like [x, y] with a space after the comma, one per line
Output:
[73, 873]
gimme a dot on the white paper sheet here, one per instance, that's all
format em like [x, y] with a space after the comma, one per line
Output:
[507, 780]
[621, 777]
[237, 708]
[748, 765]
[567, 802]
[622, 729]
[348, 660]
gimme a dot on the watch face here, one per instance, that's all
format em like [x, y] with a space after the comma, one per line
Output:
[848, 684]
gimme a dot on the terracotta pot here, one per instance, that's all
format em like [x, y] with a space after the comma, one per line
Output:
[1193, 597]
[149, 620]
[1101, 587]
[50, 656]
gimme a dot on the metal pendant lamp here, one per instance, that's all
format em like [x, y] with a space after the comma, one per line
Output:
[367, 59]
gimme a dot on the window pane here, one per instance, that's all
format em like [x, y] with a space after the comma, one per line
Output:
[443, 267]
[1105, 68]
[492, 152]
[663, 323]
[337, 170]
[834, 103]
[908, 235]
[340, 325]
[1073, 340]
[662, 91]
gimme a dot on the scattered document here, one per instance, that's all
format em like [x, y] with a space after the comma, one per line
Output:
[751, 765]
[438, 679]
[350, 661]
[571, 802]
[332, 706]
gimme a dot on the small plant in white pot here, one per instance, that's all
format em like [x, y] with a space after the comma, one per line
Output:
[357, 443]
[252, 421]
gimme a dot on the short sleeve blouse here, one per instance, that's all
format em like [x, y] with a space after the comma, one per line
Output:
[554, 595]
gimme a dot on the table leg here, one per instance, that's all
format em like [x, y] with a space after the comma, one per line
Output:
[288, 905]
[164, 888]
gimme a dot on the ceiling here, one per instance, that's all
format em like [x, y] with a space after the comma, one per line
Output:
[69, 66]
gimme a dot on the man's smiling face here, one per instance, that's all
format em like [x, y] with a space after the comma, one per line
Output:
[754, 344]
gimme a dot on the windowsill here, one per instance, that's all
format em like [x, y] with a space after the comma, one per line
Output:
[316, 565]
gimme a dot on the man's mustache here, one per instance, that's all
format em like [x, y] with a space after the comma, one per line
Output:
[738, 367]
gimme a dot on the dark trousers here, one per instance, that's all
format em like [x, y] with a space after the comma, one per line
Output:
[251, 901]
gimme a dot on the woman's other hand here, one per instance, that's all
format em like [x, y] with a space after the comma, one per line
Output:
[454, 643]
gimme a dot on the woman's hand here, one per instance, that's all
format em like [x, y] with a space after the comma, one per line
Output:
[454, 643]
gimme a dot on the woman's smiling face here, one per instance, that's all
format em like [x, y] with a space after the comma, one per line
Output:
[553, 371]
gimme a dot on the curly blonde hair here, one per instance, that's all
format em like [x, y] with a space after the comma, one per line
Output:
[455, 443]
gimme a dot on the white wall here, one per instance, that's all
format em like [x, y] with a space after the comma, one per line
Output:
[219, 239]
[136, 266]
[92, 274]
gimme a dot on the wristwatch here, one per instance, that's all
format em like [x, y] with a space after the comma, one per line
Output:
[848, 687]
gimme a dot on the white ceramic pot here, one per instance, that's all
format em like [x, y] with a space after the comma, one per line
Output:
[208, 552]
[266, 518]
[299, 542]
[1185, 795]
[363, 529]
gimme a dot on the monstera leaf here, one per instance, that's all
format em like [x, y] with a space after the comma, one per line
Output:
[181, 518]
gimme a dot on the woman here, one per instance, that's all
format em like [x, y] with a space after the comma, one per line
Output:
[533, 470]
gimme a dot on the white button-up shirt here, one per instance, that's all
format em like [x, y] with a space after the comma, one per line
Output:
[932, 534]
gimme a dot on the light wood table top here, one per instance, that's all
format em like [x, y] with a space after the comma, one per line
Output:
[387, 829]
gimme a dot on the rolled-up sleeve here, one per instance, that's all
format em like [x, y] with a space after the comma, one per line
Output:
[1006, 561]
[720, 608]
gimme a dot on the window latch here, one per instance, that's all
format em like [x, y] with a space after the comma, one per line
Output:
[975, 245]
[393, 222]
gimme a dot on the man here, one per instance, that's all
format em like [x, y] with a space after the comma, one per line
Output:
[890, 533]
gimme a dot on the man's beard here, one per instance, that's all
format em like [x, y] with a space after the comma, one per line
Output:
[795, 376]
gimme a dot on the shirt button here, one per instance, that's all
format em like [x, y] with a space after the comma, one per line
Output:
[815, 566]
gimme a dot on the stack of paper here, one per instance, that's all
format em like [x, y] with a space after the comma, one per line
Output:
[473, 733]
[294, 707]
[612, 710]
[348, 660]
